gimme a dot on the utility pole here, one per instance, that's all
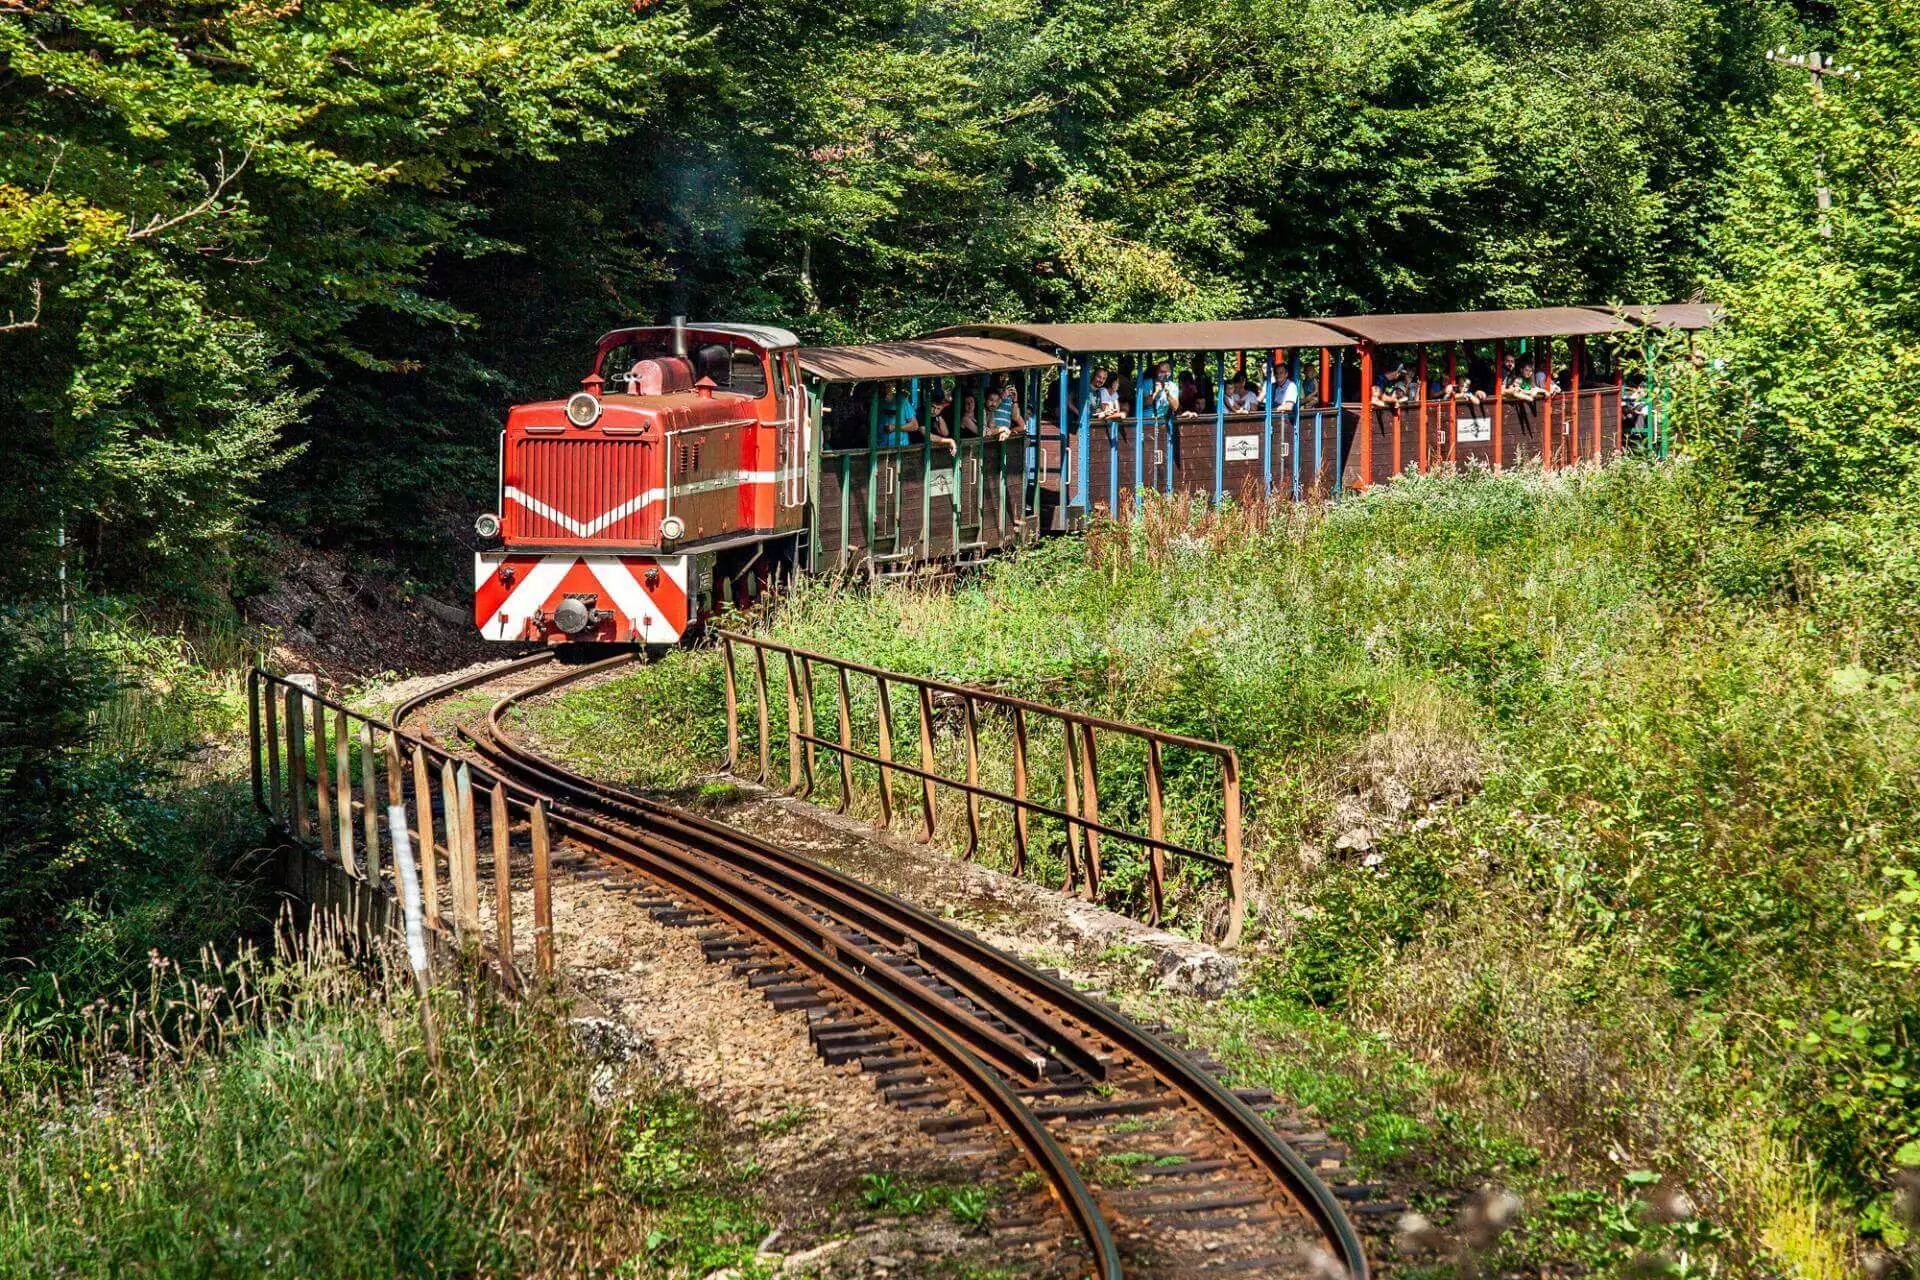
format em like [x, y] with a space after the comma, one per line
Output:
[1818, 67]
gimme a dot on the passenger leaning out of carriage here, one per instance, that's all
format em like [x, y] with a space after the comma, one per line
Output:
[940, 421]
[1464, 392]
[1003, 414]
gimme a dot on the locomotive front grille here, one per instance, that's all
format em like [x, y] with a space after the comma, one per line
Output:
[575, 489]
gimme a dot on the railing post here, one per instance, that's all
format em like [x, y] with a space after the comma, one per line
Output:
[846, 740]
[270, 696]
[973, 779]
[1236, 873]
[322, 778]
[542, 894]
[886, 751]
[1019, 790]
[343, 789]
[466, 906]
[926, 760]
[806, 723]
[429, 868]
[1156, 830]
[1090, 808]
[733, 704]
[1070, 801]
[297, 763]
[793, 729]
[369, 803]
[503, 888]
[450, 818]
[254, 766]
[760, 693]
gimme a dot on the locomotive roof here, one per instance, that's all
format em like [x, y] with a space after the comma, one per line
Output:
[1203, 335]
[921, 358]
[766, 335]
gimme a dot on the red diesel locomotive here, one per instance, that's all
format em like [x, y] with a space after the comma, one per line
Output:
[673, 480]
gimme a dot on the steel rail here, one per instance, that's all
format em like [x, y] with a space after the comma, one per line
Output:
[786, 926]
[1202, 1091]
[762, 915]
[462, 683]
[499, 749]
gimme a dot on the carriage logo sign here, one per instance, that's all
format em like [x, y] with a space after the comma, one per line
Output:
[1243, 448]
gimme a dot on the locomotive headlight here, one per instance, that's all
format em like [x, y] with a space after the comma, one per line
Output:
[671, 528]
[583, 409]
[487, 526]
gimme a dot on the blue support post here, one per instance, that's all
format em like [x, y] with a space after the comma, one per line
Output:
[1082, 485]
[1066, 436]
[1219, 428]
[1139, 430]
[1293, 372]
[1339, 401]
[1266, 436]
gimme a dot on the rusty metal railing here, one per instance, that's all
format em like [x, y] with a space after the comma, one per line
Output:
[318, 773]
[1078, 776]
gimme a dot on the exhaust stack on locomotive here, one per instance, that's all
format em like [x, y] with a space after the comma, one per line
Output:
[666, 486]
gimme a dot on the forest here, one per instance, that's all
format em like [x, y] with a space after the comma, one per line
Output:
[271, 272]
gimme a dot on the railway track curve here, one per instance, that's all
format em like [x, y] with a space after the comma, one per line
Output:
[1146, 1163]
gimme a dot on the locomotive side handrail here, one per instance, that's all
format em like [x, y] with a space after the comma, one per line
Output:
[1078, 814]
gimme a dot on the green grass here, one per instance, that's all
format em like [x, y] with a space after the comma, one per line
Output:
[1634, 768]
[308, 1133]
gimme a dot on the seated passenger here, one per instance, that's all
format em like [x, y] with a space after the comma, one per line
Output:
[1123, 381]
[1106, 401]
[939, 419]
[969, 420]
[1287, 398]
[1189, 396]
[1520, 384]
[1203, 388]
[1241, 398]
[1003, 411]
[1163, 397]
[1465, 393]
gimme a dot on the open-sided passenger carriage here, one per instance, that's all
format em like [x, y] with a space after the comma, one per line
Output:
[886, 509]
[698, 462]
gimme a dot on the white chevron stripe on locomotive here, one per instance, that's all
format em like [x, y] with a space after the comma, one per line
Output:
[586, 529]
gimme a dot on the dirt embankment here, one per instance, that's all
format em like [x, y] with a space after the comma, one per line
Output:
[327, 613]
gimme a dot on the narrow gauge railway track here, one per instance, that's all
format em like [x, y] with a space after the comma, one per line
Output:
[1160, 1169]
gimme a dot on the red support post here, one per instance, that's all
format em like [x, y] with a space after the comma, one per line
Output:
[1546, 413]
[1453, 402]
[1499, 395]
[1366, 415]
[1420, 372]
[1576, 349]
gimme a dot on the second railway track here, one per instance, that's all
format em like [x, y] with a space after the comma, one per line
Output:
[1147, 1165]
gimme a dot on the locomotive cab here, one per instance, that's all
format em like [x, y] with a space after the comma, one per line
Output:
[672, 483]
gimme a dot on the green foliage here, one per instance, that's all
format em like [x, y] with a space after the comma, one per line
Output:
[204, 207]
[969, 1204]
[1810, 396]
[103, 857]
[303, 1128]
